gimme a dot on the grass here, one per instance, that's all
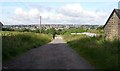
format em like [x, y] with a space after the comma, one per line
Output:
[16, 43]
[99, 52]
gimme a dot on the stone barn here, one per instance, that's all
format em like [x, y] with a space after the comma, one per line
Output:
[112, 25]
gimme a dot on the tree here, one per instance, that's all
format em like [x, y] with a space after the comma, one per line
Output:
[50, 31]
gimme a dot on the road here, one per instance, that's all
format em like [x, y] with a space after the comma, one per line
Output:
[54, 55]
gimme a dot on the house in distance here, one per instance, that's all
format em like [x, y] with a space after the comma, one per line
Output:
[112, 25]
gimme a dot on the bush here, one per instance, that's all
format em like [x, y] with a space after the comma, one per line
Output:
[7, 29]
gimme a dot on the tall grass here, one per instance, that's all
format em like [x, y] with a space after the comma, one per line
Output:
[15, 43]
[99, 52]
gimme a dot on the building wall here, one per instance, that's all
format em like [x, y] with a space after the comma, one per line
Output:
[111, 29]
[119, 28]
[1, 26]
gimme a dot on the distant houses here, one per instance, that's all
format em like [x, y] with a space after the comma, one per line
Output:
[48, 26]
[112, 25]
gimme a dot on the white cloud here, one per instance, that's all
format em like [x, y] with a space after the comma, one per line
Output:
[72, 13]
[81, 16]
[74, 9]
[21, 12]
[33, 12]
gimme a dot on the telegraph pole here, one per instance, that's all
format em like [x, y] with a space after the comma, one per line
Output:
[40, 26]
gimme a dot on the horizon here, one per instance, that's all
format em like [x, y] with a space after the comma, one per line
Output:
[51, 24]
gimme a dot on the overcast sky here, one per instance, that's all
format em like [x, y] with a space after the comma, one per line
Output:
[56, 11]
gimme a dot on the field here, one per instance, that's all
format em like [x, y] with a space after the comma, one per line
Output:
[99, 52]
[16, 43]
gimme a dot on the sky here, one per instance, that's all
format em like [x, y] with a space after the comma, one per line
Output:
[81, 12]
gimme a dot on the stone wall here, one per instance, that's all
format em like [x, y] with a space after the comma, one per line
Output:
[111, 29]
[119, 28]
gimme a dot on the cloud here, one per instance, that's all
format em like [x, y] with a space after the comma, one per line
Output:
[74, 9]
[72, 13]
[33, 12]
[81, 16]
[21, 12]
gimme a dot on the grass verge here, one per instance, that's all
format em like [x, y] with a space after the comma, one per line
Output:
[99, 52]
[16, 43]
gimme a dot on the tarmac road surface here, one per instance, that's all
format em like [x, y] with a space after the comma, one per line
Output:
[54, 55]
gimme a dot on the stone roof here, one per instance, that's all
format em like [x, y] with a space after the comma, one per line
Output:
[117, 11]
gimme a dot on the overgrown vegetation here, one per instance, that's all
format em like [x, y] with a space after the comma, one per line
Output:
[15, 43]
[99, 52]
[73, 30]
[98, 30]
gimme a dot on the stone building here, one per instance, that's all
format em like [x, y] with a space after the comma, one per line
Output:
[112, 25]
[1, 25]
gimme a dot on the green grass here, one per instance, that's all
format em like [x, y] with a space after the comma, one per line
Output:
[16, 43]
[100, 53]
